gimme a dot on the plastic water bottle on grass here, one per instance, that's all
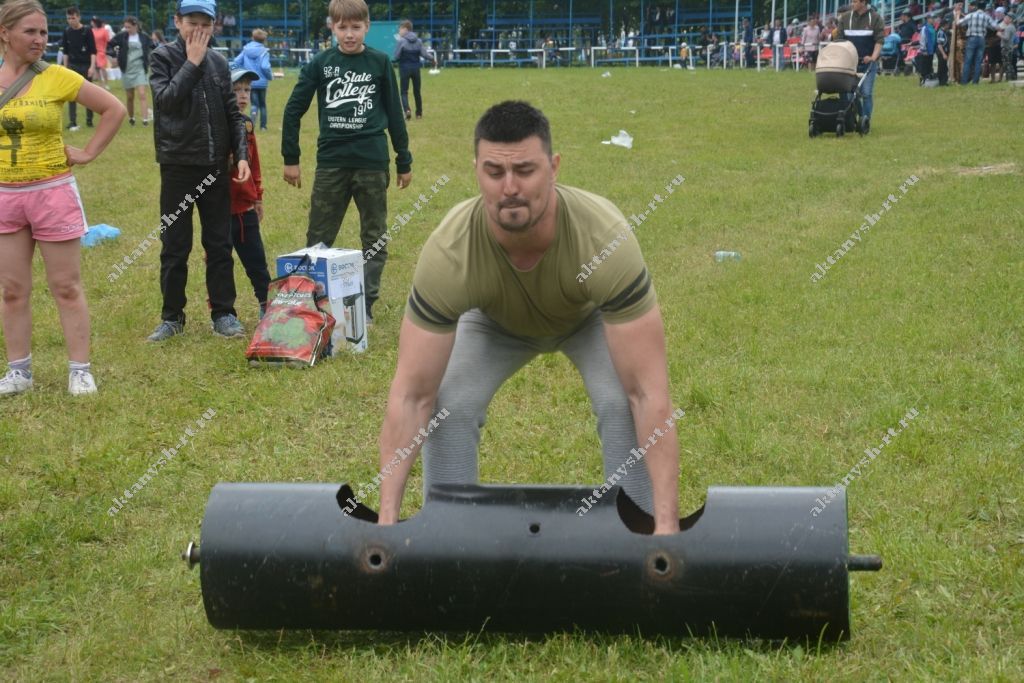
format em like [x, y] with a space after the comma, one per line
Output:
[727, 256]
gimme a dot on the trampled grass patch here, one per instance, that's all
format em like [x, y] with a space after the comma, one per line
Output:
[785, 381]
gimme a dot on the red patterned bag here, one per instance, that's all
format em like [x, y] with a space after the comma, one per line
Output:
[296, 329]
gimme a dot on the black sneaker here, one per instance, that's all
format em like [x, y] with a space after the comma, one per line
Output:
[865, 125]
[408, 115]
[131, 121]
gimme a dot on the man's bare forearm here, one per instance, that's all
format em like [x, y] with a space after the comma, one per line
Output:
[662, 445]
[400, 438]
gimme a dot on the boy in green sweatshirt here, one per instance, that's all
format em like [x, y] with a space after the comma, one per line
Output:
[357, 96]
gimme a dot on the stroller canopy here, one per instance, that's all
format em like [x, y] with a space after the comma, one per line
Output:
[839, 56]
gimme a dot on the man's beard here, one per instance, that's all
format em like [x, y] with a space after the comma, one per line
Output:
[520, 225]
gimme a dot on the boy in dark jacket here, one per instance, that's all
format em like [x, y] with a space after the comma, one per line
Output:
[357, 95]
[196, 128]
[247, 200]
[408, 52]
[80, 56]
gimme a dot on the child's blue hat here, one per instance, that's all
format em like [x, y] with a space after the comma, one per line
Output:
[238, 74]
[207, 7]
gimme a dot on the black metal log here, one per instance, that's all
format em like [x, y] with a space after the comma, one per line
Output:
[764, 562]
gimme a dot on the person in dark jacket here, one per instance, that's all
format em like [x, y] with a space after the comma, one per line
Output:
[408, 52]
[748, 43]
[79, 49]
[196, 128]
[132, 47]
[865, 28]
[255, 57]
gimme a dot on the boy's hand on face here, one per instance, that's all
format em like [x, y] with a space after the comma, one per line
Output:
[293, 175]
[195, 45]
[404, 179]
[243, 172]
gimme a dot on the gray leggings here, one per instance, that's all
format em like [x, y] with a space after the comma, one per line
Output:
[484, 356]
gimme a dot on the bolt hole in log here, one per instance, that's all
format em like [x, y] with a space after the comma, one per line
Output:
[375, 559]
[535, 528]
[660, 564]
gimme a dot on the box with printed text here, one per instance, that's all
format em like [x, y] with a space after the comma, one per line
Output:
[340, 272]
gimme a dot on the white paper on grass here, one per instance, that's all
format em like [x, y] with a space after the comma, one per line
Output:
[606, 74]
[434, 72]
[623, 139]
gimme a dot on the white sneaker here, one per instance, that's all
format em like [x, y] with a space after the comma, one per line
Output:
[74, 129]
[14, 382]
[80, 383]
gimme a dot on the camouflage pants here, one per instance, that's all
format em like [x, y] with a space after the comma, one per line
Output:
[333, 188]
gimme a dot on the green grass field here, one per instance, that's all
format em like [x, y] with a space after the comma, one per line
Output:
[784, 381]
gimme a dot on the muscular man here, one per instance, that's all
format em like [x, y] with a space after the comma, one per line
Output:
[500, 281]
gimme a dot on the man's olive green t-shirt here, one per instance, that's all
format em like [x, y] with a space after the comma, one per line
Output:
[594, 262]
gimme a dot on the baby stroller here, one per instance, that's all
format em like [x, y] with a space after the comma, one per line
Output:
[836, 74]
[892, 54]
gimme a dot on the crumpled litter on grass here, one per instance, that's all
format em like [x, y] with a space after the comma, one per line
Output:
[623, 139]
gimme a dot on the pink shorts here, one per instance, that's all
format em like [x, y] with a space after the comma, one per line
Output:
[50, 208]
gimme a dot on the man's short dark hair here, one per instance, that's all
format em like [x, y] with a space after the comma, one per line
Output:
[73, 11]
[512, 121]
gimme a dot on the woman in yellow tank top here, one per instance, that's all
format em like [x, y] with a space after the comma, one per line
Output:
[39, 202]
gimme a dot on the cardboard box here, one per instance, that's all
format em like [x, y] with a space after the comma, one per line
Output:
[340, 271]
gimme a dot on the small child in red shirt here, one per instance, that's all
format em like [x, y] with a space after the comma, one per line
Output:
[247, 200]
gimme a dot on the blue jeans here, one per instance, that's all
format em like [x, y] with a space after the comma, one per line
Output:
[974, 54]
[259, 103]
[867, 90]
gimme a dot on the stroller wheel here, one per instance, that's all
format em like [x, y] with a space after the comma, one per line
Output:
[840, 129]
[812, 130]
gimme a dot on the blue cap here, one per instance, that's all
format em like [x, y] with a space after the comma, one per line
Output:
[238, 74]
[207, 7]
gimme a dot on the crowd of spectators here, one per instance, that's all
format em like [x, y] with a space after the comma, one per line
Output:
[931, 43]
